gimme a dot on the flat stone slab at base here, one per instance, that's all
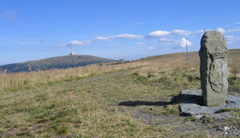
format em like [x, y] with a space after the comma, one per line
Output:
[191, 103]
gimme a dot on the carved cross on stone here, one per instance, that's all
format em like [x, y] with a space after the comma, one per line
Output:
[213, 68]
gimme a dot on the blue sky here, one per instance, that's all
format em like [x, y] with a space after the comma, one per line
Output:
[115, 29]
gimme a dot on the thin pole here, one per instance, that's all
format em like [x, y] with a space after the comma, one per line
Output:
[187, 49]
[71, 50]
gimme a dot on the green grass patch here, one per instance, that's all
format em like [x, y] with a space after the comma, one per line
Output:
[190, 119]
[161, 110]
[61, 129]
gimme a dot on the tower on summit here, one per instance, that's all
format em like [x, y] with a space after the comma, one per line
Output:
[72, 53]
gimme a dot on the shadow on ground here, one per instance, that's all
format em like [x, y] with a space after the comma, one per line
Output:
[173, 100]
[146, 103]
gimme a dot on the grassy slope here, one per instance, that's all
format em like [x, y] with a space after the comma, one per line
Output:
[61, 62]
[126, 100]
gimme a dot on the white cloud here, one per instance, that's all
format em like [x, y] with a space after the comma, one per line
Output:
[140, 43]
[230, 39]
[167, 40]
[234, 30]
[165, 37]
[238, 22]
[100, 38]
[152, 48]
[173, 33]
[181, 32]
[77, 43]
[199, 32]
[175, 43]
[10, 15]
[125, 36]
[221, 30]
[158, 34]
[182, 43]
[103, 38]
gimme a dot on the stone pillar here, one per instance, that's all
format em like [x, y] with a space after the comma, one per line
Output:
[213, 68]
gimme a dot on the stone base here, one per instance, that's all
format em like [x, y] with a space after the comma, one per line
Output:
[191, 103]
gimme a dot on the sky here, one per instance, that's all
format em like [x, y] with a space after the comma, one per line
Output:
[114, 29]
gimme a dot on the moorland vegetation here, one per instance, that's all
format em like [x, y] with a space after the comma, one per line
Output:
[133, 99]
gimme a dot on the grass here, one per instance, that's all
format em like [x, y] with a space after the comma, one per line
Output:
[18, 81]
[162, 110]
[191, 119]
[102, 101]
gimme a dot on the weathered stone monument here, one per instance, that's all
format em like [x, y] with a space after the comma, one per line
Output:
[214, 81]
[213, 68]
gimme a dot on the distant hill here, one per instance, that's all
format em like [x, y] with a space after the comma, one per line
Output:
[233, 54]
[61, 62]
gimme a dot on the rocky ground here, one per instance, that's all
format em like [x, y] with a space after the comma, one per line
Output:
[225, 124]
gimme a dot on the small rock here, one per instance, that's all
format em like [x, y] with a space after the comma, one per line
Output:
[205, 122]
[228, 102]
[225, 133]
[236, 134]
[151, 108]
[198, 116]
[224, 128]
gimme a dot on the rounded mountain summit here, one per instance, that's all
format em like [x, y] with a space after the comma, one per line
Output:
[61, 62]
